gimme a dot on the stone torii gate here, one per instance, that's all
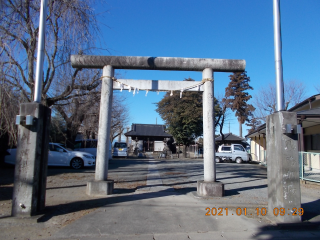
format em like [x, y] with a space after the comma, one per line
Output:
[209, 186]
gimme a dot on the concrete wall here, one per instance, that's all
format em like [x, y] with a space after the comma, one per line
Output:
[158, 146]
[311, 161]
[257, 148]
[314, 161]
[253, 152]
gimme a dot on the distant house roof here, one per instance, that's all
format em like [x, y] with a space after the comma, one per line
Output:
[310, 103]
[230, 137]
[310, 113]
[315, 112]
[259, 130]
[152, 130]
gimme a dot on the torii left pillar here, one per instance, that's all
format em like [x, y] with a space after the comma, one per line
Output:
[209, 187]
[102, 186]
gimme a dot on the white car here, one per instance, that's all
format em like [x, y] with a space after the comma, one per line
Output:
[60, 156]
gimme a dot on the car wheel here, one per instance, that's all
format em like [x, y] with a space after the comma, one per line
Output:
[76, 163]
[218, 159]
[238, 160]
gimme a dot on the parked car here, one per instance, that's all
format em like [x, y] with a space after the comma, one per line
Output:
[233, 152]
[120, 149]
[60, 156]
[89, 146]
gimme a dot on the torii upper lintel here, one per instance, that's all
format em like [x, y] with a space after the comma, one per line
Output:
[158, 63]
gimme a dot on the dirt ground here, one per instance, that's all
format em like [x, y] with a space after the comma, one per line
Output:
[66, 201]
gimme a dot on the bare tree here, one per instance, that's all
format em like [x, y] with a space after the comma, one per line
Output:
[223, 115]
[9, 107]
[57, 128]
[82, 116]
[265, 100]
[317, 88]
[253, 124]
[70, 28]
[80, 104]
[119, 118]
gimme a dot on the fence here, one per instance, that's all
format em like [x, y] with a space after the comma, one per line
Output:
[194, 152]
[191, 152]
[309, 166]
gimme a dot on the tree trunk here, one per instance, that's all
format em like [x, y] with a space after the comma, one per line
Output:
[71, 134]
[4, 140]
[240, 128]
[184, 151]
[221, 128]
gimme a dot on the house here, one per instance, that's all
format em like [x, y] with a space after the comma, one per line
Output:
[230, 138]
[308, 116]
[258, 143]
[149, 137]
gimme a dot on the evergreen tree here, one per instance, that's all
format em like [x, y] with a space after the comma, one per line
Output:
[237, 97]
[184, 116]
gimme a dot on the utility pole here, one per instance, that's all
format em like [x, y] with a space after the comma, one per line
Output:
[278, 55]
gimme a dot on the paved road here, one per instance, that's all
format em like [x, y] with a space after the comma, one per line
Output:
[166, 209]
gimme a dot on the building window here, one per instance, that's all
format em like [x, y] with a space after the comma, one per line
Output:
[312, 142]
[315, 139]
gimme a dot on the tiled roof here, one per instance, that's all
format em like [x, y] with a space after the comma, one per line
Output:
[305, 102]
[310, 112]
[230, 137]
[148, 130]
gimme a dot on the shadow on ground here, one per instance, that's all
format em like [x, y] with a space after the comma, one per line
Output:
[100, 202]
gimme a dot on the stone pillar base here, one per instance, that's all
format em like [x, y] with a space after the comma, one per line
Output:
[100, 188]
[210, 189]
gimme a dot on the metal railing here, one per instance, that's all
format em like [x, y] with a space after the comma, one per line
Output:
[309, 166]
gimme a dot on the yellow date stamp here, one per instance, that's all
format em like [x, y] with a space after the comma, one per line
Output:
[257, 211]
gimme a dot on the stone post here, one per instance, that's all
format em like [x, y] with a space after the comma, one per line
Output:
[30, 176]
[283, 167]
[101, 185]
[209, 187]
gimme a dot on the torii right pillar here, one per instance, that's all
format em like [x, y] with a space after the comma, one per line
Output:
[209, 187]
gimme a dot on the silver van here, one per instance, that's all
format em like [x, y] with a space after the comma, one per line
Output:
[233, 152]
[120, 149]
